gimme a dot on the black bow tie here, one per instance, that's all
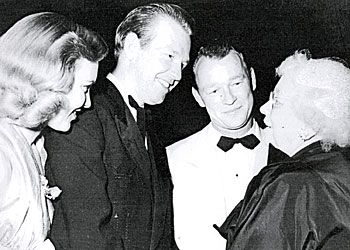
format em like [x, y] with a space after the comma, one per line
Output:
[248, 141]
[140, 116]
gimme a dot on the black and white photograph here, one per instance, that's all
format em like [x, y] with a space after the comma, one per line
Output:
[174, 125]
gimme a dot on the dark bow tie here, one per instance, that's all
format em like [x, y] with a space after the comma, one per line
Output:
[140, 116]
[248, 141]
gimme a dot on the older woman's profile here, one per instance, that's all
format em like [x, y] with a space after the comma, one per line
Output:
[301, 201]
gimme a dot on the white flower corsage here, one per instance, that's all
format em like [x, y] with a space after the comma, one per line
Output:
[50, 192]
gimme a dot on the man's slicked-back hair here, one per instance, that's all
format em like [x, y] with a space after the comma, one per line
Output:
[140, 21]
[217, 51]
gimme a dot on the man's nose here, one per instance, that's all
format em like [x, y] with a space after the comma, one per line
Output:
[177, 70]
[228, 96]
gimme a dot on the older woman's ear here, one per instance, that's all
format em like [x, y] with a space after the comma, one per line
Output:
[306, 133]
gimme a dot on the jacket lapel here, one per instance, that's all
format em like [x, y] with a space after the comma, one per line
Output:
[129, 132]
[134, 144]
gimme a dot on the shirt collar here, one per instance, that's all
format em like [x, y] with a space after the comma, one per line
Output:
[124, 89]
[215, 135]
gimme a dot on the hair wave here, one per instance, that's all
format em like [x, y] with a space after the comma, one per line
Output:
[37, 65]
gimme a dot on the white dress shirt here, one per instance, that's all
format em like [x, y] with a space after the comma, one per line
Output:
[208, 184]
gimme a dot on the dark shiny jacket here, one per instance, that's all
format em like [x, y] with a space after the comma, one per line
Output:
[116, 194]
[302, 202]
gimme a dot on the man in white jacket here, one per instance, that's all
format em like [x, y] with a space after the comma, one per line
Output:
[212, 168]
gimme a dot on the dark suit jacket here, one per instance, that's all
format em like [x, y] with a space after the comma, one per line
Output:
[115, 193]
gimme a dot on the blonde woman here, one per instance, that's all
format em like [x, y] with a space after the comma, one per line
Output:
[47, 65]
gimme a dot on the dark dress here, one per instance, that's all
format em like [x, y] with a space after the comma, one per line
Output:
[301, 202]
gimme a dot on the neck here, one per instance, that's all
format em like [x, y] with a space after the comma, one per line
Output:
[29, 134]
[235, 133]
[126, 77]
[303, 145]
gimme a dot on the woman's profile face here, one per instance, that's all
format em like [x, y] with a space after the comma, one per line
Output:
[79, 96]
[281, 118]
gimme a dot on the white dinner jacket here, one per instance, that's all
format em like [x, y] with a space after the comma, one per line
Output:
[208, 184]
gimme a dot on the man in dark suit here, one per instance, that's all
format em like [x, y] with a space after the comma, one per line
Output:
[116, 191]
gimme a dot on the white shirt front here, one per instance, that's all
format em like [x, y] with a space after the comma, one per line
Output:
[208, 184]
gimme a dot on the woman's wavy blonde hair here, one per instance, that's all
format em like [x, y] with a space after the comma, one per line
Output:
[37, 63]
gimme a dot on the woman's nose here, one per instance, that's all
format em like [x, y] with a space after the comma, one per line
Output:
[266, 108]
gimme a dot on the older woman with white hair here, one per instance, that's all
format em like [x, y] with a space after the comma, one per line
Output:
[302, 201]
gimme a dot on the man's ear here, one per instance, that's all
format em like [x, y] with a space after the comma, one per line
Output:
[197, 97]
[132, 45]
[252, 76]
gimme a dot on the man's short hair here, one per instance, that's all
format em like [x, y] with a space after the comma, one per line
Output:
[140, 21]
[217, 51]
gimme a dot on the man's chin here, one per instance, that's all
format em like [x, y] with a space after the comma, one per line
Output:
[61, 128]
[157, 101]
[238, 126]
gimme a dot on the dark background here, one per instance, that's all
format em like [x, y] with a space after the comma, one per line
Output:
[266, 32]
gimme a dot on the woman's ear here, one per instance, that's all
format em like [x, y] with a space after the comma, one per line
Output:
[198, 97]
[132, 46]
[306, 133]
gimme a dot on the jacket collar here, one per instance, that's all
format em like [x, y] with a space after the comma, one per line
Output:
[277, 156]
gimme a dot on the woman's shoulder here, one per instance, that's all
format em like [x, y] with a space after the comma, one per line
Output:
[6, 166]
[318, 171]
[291, 173]
[8, 139]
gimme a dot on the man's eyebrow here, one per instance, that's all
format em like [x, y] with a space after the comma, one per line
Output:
[236, 77]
